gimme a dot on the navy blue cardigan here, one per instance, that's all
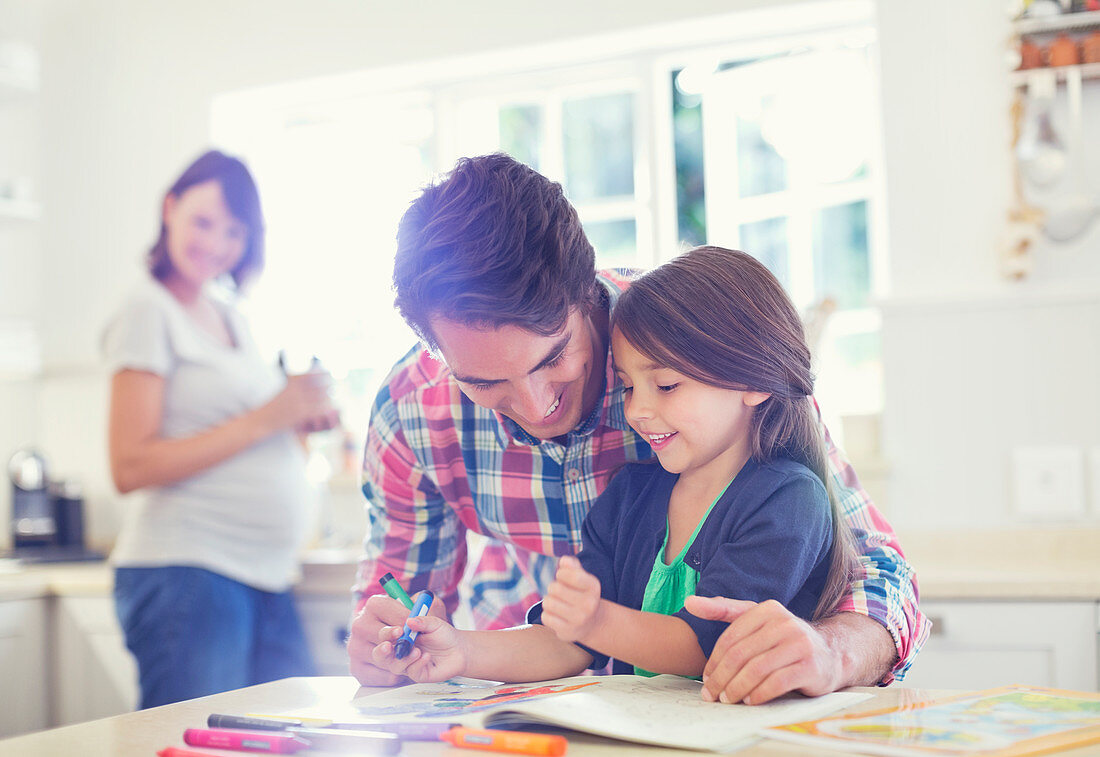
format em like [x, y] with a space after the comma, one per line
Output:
[769, 537]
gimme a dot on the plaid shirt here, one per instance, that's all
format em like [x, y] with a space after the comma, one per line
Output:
[438, 467]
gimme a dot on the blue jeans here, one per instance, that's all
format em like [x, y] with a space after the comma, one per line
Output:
[194, 633]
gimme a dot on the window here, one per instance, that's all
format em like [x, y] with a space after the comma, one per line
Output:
[775, 157]
[579, 127]
[769, 145]
[334, 178]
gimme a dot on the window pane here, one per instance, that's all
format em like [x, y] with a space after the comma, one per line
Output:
[598, 140]
[614, 242]
[842, 266]
[767, 242]
[521, 133]
[687, 128]
[760, 169]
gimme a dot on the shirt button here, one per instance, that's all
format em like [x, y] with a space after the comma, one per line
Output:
[574, 474]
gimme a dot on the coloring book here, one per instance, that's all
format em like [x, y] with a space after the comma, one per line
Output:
[1004, 722]
[664, 710]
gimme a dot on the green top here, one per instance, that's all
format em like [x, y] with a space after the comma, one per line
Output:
[669, 585]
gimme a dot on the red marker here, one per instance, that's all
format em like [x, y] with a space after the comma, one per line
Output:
[271, 742]
[175, 751]
[517, 742]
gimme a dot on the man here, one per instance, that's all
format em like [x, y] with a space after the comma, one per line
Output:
[510, 422]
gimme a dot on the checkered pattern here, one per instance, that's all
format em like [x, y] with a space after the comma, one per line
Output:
[438, 467]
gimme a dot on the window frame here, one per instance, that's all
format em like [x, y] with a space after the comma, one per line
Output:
[641, 60]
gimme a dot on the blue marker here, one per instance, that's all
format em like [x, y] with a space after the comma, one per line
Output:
[404, 645]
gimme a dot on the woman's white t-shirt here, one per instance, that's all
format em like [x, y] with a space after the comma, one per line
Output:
[245, 517]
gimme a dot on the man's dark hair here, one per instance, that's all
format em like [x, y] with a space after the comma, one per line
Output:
[493, 243]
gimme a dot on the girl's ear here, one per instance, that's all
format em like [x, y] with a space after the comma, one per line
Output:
[169, 206]
[752, 399]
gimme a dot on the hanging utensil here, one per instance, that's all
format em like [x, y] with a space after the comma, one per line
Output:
[1040, 151]
[1071, 215]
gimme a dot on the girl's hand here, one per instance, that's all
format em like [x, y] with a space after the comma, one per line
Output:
[437, 655]
[572, 605]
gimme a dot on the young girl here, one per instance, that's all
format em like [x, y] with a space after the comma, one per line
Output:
[711, 355]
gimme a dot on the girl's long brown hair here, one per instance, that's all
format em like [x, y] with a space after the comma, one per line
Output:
[720, 317]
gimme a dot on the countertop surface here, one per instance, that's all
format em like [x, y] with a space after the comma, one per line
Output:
[1054, 565]
[1032, 564]
[139, 734]
[324, 573]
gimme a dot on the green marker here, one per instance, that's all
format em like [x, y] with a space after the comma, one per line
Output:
[389, 583]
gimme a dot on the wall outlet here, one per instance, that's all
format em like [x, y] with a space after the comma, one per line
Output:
[1048, 482]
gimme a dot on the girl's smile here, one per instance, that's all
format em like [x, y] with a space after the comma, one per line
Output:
[697, 430]
[659, 441]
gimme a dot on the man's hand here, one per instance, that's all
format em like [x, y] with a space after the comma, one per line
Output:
[379, 611]
[572, 603]
[766, 652]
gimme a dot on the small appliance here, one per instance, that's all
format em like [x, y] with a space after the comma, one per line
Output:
[47, 517]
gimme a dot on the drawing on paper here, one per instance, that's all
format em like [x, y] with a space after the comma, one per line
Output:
[453, 700]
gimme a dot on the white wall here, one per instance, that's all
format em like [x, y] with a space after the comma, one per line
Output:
[125, 101]
[20, 263]
[975, 366]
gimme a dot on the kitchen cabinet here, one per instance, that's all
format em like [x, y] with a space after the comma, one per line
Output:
[983, 644]
[61, 641]
[24, 699]
[325, 621]
[94, 675]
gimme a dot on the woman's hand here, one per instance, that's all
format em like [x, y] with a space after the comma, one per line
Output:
[304, 404]
[437, 654]
[572, 605]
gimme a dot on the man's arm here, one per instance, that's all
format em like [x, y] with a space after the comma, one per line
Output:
[884, 585]
[412, 533]
[863, 649]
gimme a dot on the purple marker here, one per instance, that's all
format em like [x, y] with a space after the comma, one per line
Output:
[407, 731]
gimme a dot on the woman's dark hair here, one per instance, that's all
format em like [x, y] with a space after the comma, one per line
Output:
[720, 317]
[494, 243]
[243, 200]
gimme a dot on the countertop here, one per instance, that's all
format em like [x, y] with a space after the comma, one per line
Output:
[324, 573]
[1045, 564]
[1049, 564]
[139, 734]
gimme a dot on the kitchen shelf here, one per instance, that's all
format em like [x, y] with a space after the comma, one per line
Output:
[1062, 22]
[1088, 71]
[19, 210]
